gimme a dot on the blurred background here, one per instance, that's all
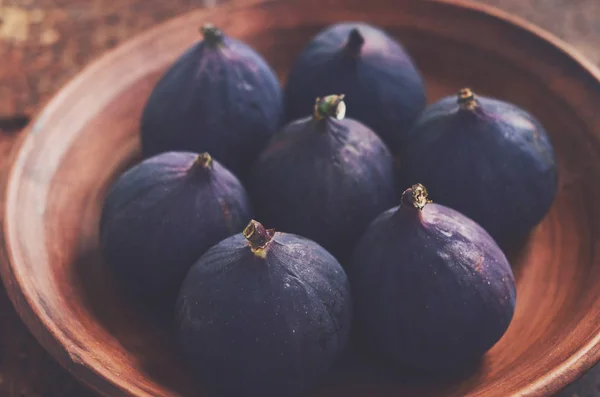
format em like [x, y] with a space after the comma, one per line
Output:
[43, 43]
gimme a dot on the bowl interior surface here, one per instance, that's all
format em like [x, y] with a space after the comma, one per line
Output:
[89, 134]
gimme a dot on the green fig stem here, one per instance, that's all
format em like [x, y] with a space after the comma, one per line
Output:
[212, 35]
[466, 99]
[354, 43]
[330, 106]
[203, 160]
[415, 196]
[258, 237]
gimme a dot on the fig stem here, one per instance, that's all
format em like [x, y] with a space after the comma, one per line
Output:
[258, 237]
[212, 35]
[415, 196]
[354, 43]
[203, 160]
[330, 106]
[466, 99]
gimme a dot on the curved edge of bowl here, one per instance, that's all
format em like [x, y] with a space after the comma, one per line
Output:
[47, 334]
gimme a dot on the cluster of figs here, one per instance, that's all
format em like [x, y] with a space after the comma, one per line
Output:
[338, 166]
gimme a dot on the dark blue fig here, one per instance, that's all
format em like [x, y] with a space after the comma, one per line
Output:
[486, 158]
[161, 215]
[264, 314]
[432, 289]
[220, 96]
[383, 86]
[324, 177]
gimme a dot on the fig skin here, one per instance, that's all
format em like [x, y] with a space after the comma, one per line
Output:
[220, 96]
[487, 159]
[264, 314]
[384, 89]
[161, 215]
[432, 289]
[324, 177]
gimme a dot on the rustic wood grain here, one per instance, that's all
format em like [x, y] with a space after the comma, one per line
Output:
[43, 43]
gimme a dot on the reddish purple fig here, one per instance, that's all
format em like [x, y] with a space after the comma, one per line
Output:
[384, 89]
[487, 159]
[432, 289]
[161, 215]
[324, 177]
[264, 313]
[220, 96]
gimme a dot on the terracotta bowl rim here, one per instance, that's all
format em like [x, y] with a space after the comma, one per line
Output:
[31, 312]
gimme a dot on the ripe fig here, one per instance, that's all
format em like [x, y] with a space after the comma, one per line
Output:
[324, 177]
[385, 90]
[220, 96]
[161, 215]
[486, 158]
[263, 314]
[432, 288]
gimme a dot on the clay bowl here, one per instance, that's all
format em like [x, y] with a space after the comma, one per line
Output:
[87, 135]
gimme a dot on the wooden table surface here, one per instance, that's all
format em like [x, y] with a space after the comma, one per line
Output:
[43, 43]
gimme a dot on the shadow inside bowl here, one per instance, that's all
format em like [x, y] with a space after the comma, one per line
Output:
[149, 338]
[369, 370]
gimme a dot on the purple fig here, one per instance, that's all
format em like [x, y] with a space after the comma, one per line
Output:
[263, 313]
[161, 215]
[384, 89]
[432, 289]
[324, 177]
[487, 159]
[220, 96]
